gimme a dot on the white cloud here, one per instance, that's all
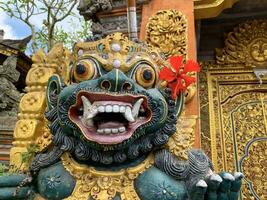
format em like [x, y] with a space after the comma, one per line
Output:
[10, 33]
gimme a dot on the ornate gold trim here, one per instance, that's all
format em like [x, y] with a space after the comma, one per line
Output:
[167, 30]
[101, 185]
[127, 54]
[245, 47]
[184, 137]
[237, 104]
[8, 52]
[211, 8]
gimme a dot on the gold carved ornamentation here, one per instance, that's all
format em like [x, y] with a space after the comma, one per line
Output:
[211, 8]
[236, 105]
[245, 46]
[8, 52]
[167, 30]
[184, 138]
[190, 91]
[101, 185]
[129, 53]
[255, 164]
[32, 128]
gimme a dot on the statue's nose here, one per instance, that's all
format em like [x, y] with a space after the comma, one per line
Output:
[116, 81]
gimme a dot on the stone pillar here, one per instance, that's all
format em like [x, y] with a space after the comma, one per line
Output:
[187, 8]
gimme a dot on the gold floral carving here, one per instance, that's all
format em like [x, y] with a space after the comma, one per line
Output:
[235, 105]
[167, 30]
[184, 137]
[31, 128]
[255, 164]
[100, 185]
[245, 46]
[237, 114]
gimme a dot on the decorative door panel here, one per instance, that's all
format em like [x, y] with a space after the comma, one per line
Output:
[238, 127]
[233, 106]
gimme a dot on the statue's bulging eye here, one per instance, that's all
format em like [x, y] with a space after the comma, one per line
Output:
[80, 69]
[145, 76]
[84, 70]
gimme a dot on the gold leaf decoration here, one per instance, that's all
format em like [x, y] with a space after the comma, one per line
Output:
[184, 138]
[167, 30]
[100, 185]
[246, 46]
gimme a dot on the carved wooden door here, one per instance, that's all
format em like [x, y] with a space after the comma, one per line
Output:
[238, 127]
[234, 107]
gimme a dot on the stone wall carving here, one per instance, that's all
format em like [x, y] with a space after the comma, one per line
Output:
[116, 23]
[13, 69]
[104, 21]
[9, 95]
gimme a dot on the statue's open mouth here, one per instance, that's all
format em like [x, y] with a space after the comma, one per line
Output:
[109, 119]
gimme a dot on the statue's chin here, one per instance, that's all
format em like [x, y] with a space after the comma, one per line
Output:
[109, 119]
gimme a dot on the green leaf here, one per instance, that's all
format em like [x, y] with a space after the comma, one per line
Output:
[31, 150]
[3, 169]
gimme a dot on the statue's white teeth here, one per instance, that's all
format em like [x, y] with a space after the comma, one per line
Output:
[122, 109]
[122, 129]
[100, 131]
[136, 107]
[107, 130]
[116, 108]
[111, 130]
[89, 111]
[128, 114]
[115, 130]
[108, 109]
[86, 103]
[101, 109]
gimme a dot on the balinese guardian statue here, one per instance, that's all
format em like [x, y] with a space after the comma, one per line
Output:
[110, 122]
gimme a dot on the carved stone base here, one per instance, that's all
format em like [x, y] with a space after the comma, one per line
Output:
[7, 125]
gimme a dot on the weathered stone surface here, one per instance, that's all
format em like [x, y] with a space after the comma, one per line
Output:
[108, 16]
[7, 125]
[14, 65]
[9, 95]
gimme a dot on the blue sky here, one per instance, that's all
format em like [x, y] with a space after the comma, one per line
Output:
[16, 29]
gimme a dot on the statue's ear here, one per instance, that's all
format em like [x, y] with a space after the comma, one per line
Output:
[53, 89]
[179, 104]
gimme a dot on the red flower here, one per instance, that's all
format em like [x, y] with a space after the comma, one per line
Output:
[177, 77]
